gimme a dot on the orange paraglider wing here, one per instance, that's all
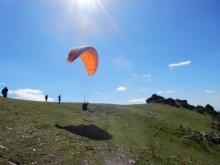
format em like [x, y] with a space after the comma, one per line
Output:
[89, 56]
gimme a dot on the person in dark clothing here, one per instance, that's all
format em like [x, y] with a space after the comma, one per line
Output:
[5, 92]
[46, 97]
[85, 107]
[59, 98]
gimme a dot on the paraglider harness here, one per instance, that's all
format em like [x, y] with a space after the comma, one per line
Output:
[85, 107]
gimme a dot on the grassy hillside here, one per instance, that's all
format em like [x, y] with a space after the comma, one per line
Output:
[50, 133]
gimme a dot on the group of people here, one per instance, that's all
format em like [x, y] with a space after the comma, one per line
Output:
[84, 105]
[5, 92]
[59, 98]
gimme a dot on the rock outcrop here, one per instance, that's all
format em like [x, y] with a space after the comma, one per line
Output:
[176, 103]
[208, 109]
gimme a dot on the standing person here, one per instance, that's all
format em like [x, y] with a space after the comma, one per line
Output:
[59, 98]
[5, 92]
[46, 97]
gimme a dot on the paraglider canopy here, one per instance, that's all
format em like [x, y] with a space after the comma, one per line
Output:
[89, 56]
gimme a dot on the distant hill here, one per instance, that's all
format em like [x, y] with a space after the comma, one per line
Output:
[154, 133]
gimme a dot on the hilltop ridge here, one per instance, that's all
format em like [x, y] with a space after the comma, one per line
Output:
[49, 133]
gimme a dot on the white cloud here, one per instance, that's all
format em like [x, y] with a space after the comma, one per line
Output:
[29, 94]
[148, 79]
[170, 92]
[145, 89]
[2, 83]
[121, 88]
[98, 93]
[146, 75]
[209, 91]
[139, 100]
[117, 102]
[167, 92]
[135, 74]
[179, 64]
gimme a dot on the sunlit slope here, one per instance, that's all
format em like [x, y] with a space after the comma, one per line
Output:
[51, 133]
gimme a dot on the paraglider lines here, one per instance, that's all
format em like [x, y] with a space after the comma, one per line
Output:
[115, 27]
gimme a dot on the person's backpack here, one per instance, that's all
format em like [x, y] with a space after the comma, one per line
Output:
[2, 91]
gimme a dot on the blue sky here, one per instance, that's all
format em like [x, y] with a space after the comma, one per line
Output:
[165, 47]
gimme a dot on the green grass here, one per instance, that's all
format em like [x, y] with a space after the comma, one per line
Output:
[50, 133]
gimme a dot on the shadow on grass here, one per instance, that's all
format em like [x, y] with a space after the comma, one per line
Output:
[90, 131]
